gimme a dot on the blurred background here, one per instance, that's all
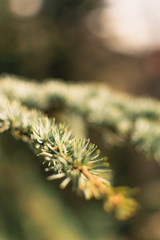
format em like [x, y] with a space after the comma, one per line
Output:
[113, 42]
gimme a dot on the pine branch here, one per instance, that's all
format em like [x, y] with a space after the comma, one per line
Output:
[74, 160]
[120, 114]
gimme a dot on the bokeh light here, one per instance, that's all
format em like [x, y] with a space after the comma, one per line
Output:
[129, 26]
[25, 8]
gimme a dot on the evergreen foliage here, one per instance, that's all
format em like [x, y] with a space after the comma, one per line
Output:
[74, 159]
[121, 115]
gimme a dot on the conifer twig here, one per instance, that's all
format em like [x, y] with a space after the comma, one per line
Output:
[74, 160]
[120, 114]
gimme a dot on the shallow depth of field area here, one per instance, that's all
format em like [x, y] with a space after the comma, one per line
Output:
[79, 120]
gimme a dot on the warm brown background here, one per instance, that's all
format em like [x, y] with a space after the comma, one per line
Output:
[57, 43]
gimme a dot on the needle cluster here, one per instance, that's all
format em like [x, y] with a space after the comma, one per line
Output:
[65, 157]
